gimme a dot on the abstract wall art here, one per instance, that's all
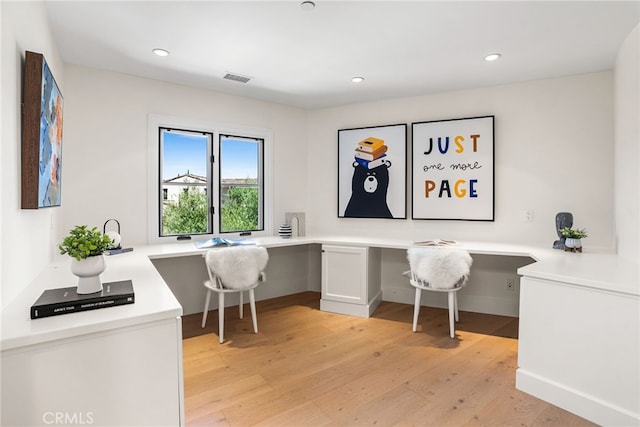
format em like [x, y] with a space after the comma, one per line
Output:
[41, 135]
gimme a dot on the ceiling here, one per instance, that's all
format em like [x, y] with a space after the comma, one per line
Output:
[306, 58]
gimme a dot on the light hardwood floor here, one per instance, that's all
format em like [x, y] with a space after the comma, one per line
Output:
[306, 367]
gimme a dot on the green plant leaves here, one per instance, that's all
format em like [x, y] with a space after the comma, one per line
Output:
[574, 233]
[82, 242]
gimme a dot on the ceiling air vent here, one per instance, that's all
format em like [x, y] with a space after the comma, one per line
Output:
[236, 77]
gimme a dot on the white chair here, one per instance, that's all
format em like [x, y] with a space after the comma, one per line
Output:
[441, 270]
[234, 269]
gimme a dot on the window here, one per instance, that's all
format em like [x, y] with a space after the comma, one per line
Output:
[241, 196]
[207, 180]
[184, 179]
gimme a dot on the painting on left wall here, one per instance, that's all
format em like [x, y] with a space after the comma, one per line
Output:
[41, 135]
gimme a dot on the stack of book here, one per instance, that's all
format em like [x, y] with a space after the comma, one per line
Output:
[371, 152]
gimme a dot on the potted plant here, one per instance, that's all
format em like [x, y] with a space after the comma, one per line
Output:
[86, 247]
[573, 238]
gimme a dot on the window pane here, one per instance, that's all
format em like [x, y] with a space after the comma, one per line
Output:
[240, 184]
[183, 170]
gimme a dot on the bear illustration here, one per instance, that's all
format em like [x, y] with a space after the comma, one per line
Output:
[369, 192]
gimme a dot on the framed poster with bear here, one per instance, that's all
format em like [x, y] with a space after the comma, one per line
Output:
[372, 170]
[452, 173]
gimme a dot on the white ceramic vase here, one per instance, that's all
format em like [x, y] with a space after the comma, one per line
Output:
[88, 271]
[571, 242]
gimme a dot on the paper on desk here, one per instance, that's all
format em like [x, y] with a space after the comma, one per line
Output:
[220, 242]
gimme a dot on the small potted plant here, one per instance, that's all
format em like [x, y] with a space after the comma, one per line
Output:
[86, 247]
[573, 238]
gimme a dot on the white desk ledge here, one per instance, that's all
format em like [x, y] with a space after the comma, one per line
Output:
[153, 301]
[606, 272]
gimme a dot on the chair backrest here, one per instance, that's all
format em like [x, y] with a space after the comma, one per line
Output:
[440, 268]
[236, 267]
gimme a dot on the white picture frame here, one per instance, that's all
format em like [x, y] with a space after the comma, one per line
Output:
[453, 174]
[384, 193]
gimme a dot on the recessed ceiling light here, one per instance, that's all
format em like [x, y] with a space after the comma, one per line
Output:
[492, 57]
[307, 5]
[160, 52]
[357, 79]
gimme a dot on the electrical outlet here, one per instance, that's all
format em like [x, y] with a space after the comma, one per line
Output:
[528, 215]
[510, 284]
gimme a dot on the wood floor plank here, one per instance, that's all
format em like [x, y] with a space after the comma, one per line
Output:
[457, 391]
[306, 367]
[307, 414]
[216, 419]
[386, 409]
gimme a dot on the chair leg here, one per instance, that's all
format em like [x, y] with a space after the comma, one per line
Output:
[221, 316]
[252, 303]
[241, 305]
[451, 297]
[416, 309]
[455, 301]
[206, 308]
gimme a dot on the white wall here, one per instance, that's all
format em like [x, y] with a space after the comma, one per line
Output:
[106, 144]
[28, 236]
[540, 125]
[553, 152]
[105, 169]
[627, 152]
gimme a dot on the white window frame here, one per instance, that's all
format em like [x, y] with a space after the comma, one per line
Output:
[260, 177]
[154, 191]
[209, 174]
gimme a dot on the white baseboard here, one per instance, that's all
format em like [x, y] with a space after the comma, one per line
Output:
[359, 310]
[581, 404]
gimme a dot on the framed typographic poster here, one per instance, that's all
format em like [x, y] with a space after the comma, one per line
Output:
[372, 170]
[453, 169]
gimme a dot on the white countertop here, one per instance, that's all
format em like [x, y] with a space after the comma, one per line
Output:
[607, 272]
[170, 250]
[155, 301]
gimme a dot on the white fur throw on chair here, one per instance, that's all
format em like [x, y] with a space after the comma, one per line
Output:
[441, 268]
[238, 267]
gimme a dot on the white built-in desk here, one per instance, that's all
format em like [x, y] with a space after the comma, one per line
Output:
[578, 344]
[579, 334]
[112, 367]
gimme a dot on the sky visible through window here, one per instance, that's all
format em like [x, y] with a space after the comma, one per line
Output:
[188, 152]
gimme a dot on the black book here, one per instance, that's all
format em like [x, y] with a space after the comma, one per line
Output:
[54, 302]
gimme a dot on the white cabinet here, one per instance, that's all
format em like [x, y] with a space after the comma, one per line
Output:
[350, 280]
[124, 376]
[578, 337]
[117, 366]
